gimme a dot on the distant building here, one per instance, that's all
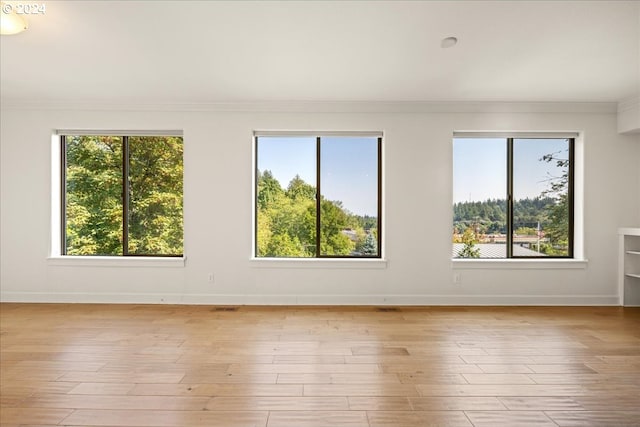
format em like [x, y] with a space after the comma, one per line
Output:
[351, 234]
[489, 250]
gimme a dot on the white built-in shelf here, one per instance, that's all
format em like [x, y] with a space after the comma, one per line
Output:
[629, 266]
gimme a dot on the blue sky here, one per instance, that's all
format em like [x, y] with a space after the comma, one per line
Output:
[349, 167]
[480, 167]
[348, 172]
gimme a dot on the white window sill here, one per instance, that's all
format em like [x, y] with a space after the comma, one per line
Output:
[115, 261]
[324, 263]
[519, 264]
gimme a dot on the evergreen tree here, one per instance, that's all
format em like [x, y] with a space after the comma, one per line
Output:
[370, 246]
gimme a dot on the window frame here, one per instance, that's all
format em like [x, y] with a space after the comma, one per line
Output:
[125, 135]
[571, 138]
[318, 199]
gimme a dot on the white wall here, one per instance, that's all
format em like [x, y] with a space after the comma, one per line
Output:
[217, 198]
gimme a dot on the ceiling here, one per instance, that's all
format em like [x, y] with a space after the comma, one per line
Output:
[170, 52]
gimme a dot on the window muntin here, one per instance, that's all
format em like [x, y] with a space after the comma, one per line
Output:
[122, 195]
[480, 180]
[286, 197]
[292, 171]
[529, 217]
[541, 224]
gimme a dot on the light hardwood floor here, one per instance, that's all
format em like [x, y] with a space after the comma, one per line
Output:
[141, 365]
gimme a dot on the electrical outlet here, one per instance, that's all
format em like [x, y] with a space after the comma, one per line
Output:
[210, 277]
[457, 278]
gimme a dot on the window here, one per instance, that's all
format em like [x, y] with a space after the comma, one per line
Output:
[121, 194]
[318, 196]
[513, 196]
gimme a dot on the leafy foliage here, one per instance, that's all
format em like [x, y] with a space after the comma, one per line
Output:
[491, 215]
[286, 222]
[94, 199]
[558, 212]
[469, 250]
[546, 215]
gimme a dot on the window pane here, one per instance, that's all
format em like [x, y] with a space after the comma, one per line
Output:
[349, 204]
[286, 197]
[93, 195]
[155, 195]
[479, 198]
[541, 197]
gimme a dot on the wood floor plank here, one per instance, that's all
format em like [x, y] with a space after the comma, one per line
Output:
[217, 390]
[609, 401]
[429, 368]
[108, 389]
[578, 368]
[124, 377]
[572, 378]
[339, 378]
[403, 359]
[501, 390]
[418, 419]
[33, 415]
[317, 418]
[277, 403]
[432, 378]
[77, 401]
[509, 418]
[226, 378]
[553, 403]
[360, 390]
[376, 350]
[608, 368]
[379, 403]
[165, 366]
[498, 379]
[304, 368]
[60, 365]
[321, 359]
[596, 418]
[14, 373]
[456, 403]
[11, 400]
[505, 369]
[142, 418]
[26, 387]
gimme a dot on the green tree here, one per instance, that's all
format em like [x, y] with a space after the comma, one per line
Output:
[94, 199]
[93, 195]
[156, 187]
[269, 189]
[370, 246]
[286, 221]
[469, 249]
[526, 231]
[300, 190]
[333, 220]
[557, 225]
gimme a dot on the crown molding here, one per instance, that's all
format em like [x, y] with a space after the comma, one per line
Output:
[629, 116]
[327, 107]
[628, 104]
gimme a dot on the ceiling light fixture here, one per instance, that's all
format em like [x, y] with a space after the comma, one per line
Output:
[448, 42]
[10, 21]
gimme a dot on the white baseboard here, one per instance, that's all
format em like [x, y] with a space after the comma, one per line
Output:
[212, 299]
